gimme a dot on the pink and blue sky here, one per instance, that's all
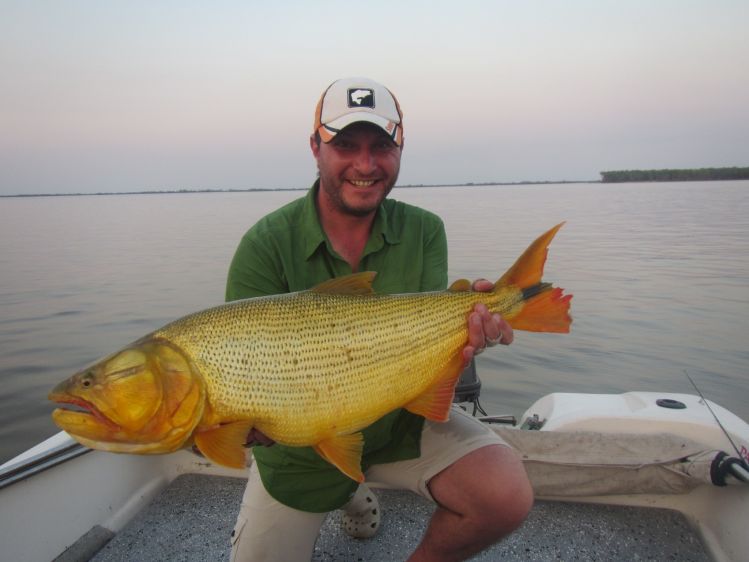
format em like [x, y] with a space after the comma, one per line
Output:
[136, 95]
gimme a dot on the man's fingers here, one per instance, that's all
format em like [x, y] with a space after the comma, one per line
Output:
[505, 334]
[487, 330]
[476, 338]
[468, 354]
[482, 285]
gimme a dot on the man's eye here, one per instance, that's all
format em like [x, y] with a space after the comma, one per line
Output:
[384, 146]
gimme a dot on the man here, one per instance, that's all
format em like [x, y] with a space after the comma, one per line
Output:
[343, 225]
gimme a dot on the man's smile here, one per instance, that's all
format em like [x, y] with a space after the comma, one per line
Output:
[362, 183]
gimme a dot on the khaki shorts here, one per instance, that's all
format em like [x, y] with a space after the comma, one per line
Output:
[267, 530]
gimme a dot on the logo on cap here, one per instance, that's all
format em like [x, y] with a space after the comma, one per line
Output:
[361, 97]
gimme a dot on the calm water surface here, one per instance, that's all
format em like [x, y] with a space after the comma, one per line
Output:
[659, 273]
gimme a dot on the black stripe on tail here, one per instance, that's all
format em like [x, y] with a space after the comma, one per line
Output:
[533, 290]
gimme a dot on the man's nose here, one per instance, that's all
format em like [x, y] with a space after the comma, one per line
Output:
[365, 161]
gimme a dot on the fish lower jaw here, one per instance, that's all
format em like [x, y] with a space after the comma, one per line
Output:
[76, 409]
[74, 421]
[148, 448]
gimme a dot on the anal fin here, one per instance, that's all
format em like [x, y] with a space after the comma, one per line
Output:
[435, 403]
[224, 444]
[344, 452]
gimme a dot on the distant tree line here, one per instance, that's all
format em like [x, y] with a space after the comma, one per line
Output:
[695, 174]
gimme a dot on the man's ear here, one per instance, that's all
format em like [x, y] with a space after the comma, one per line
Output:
[314, 145]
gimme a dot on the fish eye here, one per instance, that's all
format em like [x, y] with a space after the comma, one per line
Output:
[87, 379]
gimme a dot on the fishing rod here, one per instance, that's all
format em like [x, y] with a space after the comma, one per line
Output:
[723, 464]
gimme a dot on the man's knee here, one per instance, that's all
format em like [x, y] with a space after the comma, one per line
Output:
[502, 511]
[515, 499]
[497, 495]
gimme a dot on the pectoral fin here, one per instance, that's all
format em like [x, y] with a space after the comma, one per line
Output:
[224, 444]
[435, 403]
[344, 452]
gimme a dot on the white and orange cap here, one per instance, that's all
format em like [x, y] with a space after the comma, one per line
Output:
[350, 100]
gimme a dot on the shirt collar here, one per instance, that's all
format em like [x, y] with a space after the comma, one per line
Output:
[382, 229]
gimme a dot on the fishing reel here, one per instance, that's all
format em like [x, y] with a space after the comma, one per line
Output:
[724, 466]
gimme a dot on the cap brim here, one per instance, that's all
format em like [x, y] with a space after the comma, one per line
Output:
[329, 130]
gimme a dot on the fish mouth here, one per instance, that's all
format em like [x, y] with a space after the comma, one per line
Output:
[76, 410]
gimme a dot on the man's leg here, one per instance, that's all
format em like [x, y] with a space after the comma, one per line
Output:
[268, 531]
[477, 481]
[481, 498]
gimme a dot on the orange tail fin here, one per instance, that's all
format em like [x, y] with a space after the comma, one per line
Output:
[529, 267]
[545, 308]
[547, 311]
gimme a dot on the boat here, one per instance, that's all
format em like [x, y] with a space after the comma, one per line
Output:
[639, 475]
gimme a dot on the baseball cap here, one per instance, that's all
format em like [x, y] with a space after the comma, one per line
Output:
[350, 100]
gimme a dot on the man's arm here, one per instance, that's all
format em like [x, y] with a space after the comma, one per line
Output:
[253, 272]
[434, 270]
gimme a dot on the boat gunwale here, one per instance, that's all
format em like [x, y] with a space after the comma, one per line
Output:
[44, 460]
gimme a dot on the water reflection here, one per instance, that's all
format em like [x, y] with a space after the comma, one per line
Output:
[659, 272]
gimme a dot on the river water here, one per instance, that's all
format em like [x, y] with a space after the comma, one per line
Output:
[659, 274]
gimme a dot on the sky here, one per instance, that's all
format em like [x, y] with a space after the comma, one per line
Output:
[106, 96]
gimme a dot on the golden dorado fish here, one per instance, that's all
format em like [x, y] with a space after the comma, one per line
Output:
[311, 368]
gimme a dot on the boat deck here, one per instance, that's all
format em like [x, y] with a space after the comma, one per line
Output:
[192, 519]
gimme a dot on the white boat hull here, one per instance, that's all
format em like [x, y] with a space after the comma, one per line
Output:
[630, 423]
[45, 513]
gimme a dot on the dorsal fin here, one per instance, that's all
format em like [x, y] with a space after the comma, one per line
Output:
[460, 286]
[354, 284]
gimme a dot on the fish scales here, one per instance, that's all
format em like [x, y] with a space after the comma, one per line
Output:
[307, 369]
[302, 363]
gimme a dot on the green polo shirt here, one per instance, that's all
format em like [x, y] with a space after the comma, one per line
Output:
[288, 251]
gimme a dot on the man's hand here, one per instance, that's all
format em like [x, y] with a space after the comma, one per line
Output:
[485, 329]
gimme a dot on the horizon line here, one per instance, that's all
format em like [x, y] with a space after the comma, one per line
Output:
[251, 189]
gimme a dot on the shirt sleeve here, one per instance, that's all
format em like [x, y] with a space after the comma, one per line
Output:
[254, 272]
[434, 272]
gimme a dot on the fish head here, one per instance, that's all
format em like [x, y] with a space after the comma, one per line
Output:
[147, 398]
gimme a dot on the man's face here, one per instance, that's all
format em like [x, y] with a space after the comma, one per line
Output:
[358, 168]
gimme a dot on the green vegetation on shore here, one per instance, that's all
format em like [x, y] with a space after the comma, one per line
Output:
[694, 174]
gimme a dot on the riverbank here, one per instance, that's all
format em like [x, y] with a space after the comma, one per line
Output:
[687, 174]
[264, 189]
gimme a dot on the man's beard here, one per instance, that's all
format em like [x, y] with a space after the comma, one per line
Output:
[335, 195]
